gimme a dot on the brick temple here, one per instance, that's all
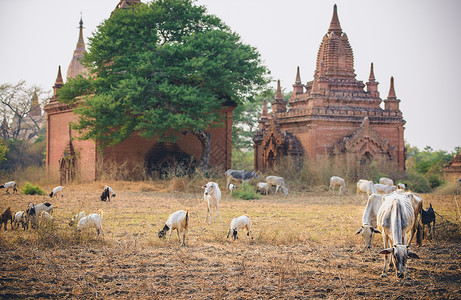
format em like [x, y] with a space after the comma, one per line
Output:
[68, 158]
[334, 115]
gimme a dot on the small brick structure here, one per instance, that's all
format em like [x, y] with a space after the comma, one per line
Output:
[68, 158]
[332, 116]
[453, 168]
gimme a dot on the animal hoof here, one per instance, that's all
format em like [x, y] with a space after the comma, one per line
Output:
[383, 275]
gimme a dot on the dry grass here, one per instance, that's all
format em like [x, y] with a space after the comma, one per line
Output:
[304, 246]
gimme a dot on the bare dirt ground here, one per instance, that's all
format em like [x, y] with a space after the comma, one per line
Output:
[304, 246]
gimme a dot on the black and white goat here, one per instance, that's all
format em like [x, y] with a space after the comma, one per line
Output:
[178, 220]
[9, 185]
[57, 190]
[237, 224]
[107, 193]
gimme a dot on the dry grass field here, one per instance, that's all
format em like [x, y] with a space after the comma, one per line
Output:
[304, 246]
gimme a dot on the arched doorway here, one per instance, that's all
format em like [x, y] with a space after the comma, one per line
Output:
[67, 171]
[167, 159]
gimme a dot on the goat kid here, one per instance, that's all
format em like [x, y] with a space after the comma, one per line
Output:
[20, 217]
[55, 192]
[237, 224]
[77, 218]
[107, 193]
[178, 220]
[92, 220]
[7, 215]
[9, 185]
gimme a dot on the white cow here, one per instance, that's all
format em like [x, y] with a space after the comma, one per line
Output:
[396, 217]
[366, 187]
[212, 196]
[279, 182]
[384, 188]
[370, 213]
[340, 182]
[386, 181]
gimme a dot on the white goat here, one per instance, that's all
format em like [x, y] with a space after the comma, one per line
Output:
[237, 224]
[338, 181]
[56, 190]
[366, 187]
[45, 219]
[262, 188]
[34, 211]
[9, 185]
[93, 220]
[386, 181]
[369, 216]
[178, 220]
[231, 187]
[384, 188]
[20, 217]
[77, 218]
[279, 182]
[212, 196]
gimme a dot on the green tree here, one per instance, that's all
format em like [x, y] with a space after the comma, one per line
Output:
[159, 69]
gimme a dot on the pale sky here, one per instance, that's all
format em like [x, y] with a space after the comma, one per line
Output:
[416, 41]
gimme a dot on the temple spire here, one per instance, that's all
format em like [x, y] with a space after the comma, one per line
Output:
[334, 24]
[278, 94]
[391, 90]
[35, 110]
[371, 78]
[57, 85]
[298, 87]
[264, 113]
[75, 67]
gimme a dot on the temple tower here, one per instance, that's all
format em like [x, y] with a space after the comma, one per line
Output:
[334, 116]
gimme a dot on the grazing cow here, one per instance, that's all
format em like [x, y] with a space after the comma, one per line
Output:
[384, 188]
[93, 220]
[396, 217]
[370, 213]
[278, 182]
[7, 215]
[386, 181]
[212, 196]
[9, 185]
[428, 217]
[178, 220]
[55, 192]
[366, 187]
[417, 204]
[237, 224]
[239, 176]
[107, 193]
[338, 181]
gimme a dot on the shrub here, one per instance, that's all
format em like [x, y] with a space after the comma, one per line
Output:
[30, 189]
[418, 183]
[245, 192]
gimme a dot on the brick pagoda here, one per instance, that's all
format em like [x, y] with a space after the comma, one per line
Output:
[334, 115]
[68, 158]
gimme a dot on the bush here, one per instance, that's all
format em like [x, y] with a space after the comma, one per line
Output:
[245, 192]
[30, 189]
[417, 183]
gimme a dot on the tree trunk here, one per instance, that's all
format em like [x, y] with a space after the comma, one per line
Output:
[205, 139]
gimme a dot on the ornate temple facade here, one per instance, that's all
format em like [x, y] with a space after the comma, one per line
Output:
[334, 115]
[68, 158]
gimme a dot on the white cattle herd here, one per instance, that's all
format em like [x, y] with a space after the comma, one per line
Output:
[390, 211]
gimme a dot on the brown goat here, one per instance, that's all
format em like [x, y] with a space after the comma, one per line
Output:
[7, 215]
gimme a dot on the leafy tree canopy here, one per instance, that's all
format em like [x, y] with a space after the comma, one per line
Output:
[158, 69]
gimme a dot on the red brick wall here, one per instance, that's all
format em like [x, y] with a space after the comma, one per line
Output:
[58, 139]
